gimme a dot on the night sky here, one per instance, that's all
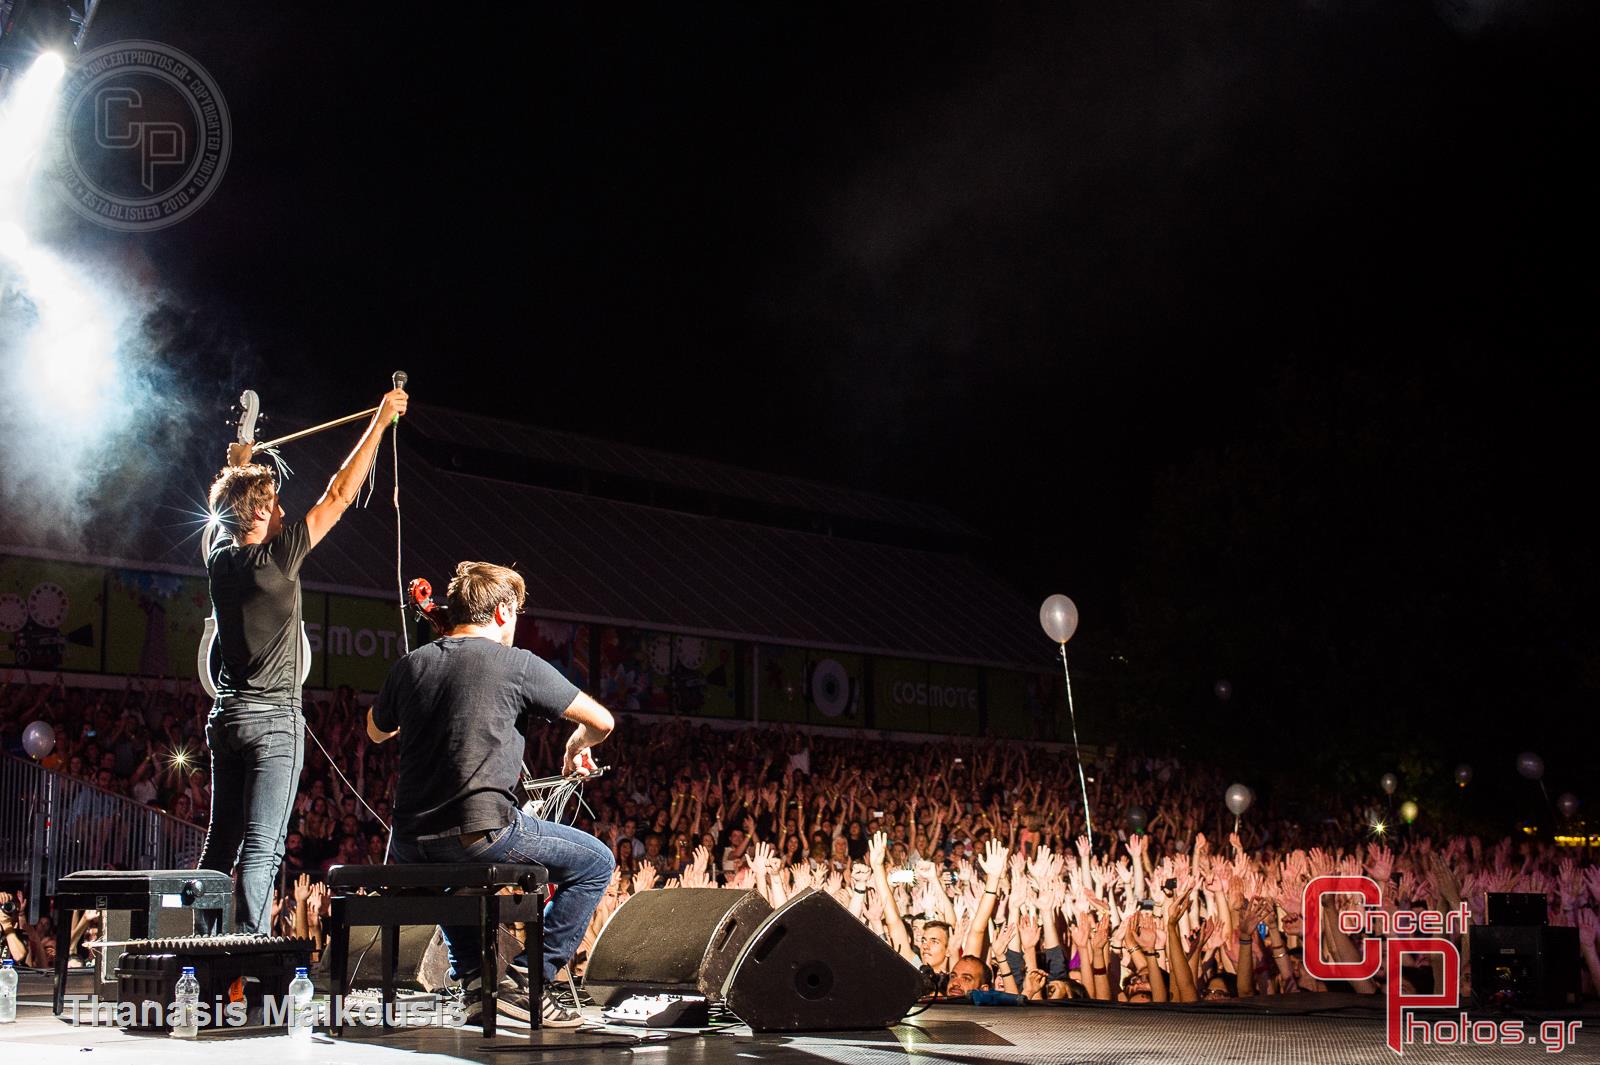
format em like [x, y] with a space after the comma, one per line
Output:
[1261, 329]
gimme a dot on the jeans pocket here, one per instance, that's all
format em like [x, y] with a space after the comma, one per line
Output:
[486, 845]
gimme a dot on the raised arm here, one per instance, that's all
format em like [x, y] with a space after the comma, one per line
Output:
[345, 486]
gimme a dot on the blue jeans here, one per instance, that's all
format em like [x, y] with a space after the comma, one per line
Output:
[580, 867]
[256, 753]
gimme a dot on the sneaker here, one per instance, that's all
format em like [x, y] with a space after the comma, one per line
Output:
[509, 1001]
[552, 1014]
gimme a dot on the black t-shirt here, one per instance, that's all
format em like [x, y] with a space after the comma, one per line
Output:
[462, 704]
[255, 594]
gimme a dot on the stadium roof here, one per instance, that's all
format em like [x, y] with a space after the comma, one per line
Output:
[615, 559]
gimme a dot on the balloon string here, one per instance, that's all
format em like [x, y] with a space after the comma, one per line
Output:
[1073, 714]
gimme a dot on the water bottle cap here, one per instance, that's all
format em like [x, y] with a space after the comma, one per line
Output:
[300, 970]
[188, 969]
[6, 963]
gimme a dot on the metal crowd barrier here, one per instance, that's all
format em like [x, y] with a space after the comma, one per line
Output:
[52, 824]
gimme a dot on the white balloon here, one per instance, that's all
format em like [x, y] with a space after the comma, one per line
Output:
[1059, 616]
[1388, 782]
[39, 738]
[1530, 765]
[1223, 689]
[1238, 797]
[1567, 803]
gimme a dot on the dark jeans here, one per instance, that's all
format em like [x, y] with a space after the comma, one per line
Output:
[256, 752]
[580, 867]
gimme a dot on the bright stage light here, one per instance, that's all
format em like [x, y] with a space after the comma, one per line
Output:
[69, 353]
[25, 121]
[13, 241]
[49, 67]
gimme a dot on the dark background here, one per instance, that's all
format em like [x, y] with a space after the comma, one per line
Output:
[1262, 329]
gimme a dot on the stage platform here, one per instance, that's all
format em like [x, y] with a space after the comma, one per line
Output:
[1347, 1030]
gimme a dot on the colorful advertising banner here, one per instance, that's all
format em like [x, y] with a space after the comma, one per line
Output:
[359, 642]
[50, 615]
[664, 673]
[564, 644]
[156, 620]
[811, 687]
[1025, 706]
[64, 616]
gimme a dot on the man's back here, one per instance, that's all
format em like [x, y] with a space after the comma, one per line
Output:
[255, 593]
[462, 705]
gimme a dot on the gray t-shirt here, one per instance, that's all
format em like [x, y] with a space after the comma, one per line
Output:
[463, 704]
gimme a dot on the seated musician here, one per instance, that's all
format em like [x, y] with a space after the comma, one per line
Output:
[460, 706]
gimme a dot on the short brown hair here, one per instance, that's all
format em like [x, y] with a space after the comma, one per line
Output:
[237, 493]
[479, 587]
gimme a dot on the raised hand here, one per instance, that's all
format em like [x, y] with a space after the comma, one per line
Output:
[1380, 863]
[1100, 935]
[1142, 927]
[646, 877]
[1591, 877]
[1039, 868]
[302, 888]
[764, 860]
[877, 848]
[1033, 983]
[993, 859]
[1029, 930]
[860, 877]
[1001, 940]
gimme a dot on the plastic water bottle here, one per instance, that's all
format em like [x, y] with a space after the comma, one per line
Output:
[186, 1023]
[8, 992]
[302, 1012]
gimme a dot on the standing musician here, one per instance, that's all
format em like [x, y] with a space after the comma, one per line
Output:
[460, 706]
[256, 731]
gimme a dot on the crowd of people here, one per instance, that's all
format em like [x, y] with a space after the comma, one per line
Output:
[971, 858]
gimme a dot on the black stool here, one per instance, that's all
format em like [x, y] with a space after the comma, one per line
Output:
[148, 895]
[423, 893]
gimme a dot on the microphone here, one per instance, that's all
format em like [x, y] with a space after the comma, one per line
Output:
[400, 379]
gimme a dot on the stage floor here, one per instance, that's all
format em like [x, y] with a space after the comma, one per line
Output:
[1349, 1033]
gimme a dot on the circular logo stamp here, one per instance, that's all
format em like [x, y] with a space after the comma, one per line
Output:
[141, 138]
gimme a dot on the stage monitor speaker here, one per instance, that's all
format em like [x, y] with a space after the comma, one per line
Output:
[1518, 908]
[1529, 966]
[812, 966]
[423, 963]
[682, 941]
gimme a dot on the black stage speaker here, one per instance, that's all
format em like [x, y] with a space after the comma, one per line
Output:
[812, 966]
[423, 964]
[1520, 908]
[1531, 966]
[682, 941]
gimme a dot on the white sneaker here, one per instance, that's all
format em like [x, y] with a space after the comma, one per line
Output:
[552, 1014]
